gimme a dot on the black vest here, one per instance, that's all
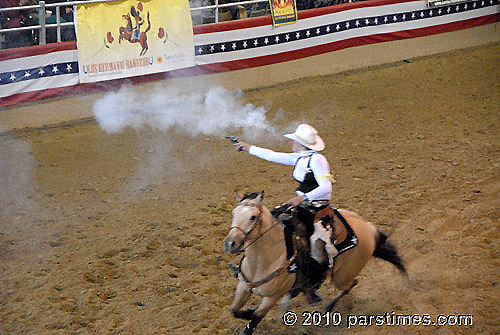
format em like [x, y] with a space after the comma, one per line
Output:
[309, 183]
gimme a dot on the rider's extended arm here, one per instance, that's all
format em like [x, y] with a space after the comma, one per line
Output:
[273, 156]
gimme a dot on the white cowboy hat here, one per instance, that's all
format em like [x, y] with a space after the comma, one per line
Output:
[308, 137]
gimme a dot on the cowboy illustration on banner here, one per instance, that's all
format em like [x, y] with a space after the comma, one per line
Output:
[132, 30]
[171, 48]
[283, 11]
[134, 34]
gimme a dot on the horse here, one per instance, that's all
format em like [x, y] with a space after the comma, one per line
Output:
[264, 267]
[133, 36]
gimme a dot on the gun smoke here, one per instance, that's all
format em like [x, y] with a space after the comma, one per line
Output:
[214, 112]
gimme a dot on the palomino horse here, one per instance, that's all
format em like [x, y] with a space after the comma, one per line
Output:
[264, 268]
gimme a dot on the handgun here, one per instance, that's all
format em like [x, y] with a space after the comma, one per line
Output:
[233, 139]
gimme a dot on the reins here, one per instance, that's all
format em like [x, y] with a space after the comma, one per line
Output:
[262, 234]
[272, 275]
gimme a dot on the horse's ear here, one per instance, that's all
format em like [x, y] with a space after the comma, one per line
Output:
[260, 198]
[238, 195]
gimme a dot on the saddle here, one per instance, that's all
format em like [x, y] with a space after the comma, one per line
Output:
[327, 217]
[343, 237]
[311, 274]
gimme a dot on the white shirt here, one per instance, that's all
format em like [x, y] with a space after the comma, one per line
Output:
[318, 165]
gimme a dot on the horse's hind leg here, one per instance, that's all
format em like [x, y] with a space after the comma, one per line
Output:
[144, 50]
[339, 295]
[144, 44]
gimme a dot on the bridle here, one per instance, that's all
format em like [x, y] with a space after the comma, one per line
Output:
[256, 223]
[275, 273]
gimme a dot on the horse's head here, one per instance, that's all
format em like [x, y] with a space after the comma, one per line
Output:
[246, 217]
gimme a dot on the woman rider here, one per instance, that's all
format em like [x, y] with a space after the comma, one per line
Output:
[311, 170]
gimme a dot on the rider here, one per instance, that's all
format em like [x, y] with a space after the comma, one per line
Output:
[138, 21]
[311, 170]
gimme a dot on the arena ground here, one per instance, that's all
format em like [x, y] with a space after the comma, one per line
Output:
[123, 233]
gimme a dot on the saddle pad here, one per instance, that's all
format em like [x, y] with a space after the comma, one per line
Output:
[344, 237]
[347, 238]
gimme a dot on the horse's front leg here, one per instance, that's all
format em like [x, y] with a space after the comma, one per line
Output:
[266, 304]
[120, 38]
[241, 297]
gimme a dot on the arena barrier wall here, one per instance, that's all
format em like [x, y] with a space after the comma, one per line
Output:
[316, 44]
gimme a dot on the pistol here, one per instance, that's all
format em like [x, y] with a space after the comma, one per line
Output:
[233, 139]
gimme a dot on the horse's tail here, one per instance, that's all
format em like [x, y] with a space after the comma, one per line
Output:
[385, 250]
[149, 25]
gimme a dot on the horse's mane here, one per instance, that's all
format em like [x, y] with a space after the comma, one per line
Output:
[250, 196]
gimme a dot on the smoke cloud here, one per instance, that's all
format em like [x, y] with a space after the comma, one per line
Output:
[209, 111]
[213, 112]
[17, 166]
[20, 211]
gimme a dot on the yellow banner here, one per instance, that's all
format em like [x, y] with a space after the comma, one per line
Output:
[131, 38]
[283, 11]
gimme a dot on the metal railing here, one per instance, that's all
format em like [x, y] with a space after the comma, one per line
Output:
[42, 25]
[218, 6]
[42, 7]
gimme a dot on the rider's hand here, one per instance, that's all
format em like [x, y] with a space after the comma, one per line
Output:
[295, 200]
[242, 146]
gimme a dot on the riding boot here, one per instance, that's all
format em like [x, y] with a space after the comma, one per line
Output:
[290, 250]
[288, 232]
[289, 241]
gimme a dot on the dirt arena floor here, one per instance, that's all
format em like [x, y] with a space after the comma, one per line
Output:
[123, 233]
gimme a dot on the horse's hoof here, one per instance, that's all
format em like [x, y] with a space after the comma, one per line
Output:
[316, 302]
[330, 305]
[312, 298]
[247, 331]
